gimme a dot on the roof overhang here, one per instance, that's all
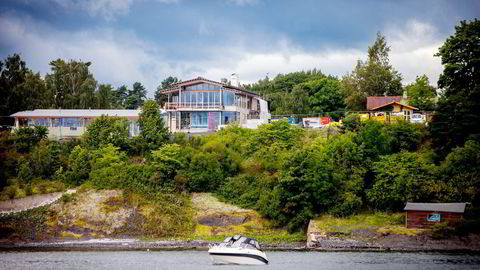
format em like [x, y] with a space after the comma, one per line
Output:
[392, 103]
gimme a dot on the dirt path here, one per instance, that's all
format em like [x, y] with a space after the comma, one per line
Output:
[30, 202]
[206, 203]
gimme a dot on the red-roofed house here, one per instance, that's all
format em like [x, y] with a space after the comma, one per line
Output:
[393, 104]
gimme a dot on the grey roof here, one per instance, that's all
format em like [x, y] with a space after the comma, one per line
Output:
[440, 207]
[77, 113]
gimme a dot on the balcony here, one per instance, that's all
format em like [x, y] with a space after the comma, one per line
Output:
[193, 105]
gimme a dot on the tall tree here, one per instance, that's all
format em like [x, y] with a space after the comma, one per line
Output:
[422, 94]
[120, 97]
[71, 84]
[136, 96]
[105, 96]
[456, 118]
[154, 132]
[375, 77]
[161, 99]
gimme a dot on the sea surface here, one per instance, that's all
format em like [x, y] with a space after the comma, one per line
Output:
[193, 260]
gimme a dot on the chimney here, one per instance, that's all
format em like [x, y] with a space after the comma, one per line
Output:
[234, 80]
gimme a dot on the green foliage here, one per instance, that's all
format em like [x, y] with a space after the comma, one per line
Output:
[107, 130]
[345, 160]
[399, 178]
[108, 168]
[46, 158]
[422, 94]
[25, 138]
[461, 172]
[279, 132]
[375, 77]
[405, 136]
[159, 98]
[25, 172]
[71, 85]
[153, 129]
[78, 166]
[20, 88]
[352, 122]
[373, 139]
[136, 96]
[456, 119]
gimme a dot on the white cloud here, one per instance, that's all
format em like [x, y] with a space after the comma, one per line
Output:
[122, 57]
[412, 50]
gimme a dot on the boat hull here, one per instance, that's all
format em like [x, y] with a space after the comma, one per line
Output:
[237, 258]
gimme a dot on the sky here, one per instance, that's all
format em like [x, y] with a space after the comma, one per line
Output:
[148, 40]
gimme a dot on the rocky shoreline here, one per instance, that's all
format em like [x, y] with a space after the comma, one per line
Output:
[391, 245]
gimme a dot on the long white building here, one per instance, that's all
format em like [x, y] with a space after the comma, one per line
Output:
[65, 124]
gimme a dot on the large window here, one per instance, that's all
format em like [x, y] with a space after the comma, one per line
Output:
[228, 98]
[199, 119]
[72, 122]
[228, 117]
[39, 122]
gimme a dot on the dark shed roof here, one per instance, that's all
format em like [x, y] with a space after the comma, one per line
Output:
[439, 207]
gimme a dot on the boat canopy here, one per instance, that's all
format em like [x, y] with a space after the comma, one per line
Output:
[238, 241]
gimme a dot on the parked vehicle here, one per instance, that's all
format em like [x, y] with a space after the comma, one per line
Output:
[417, 118]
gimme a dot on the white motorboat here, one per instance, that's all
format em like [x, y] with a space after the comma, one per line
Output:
[238, 250]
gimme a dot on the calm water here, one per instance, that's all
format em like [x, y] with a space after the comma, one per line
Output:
[190, 260]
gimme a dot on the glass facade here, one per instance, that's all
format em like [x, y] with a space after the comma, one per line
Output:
[228, 98]
[199, 119]
[228, 117]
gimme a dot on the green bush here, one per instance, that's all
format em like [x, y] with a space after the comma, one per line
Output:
[79, 166]
[27, 137]
[106, 130]
[461, 173]
[400, 178]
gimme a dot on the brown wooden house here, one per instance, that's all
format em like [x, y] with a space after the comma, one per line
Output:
[424, 215]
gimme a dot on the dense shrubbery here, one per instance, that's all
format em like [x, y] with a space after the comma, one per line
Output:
[285, 173]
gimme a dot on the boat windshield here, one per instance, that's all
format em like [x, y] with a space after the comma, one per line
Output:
[240, 241]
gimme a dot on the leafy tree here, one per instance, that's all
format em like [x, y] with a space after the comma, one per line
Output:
[375, 77]
[305, 188]
[105, 96]
[422, 94]
[71, 85]
[46, 159]
[346, 162]
[461, 172]
[153, 129]
[161, 99]
[400, 178]
[278, 132]
[107, 130]
[120, 97]
[456, 118]
[27, 137]
[20, 88]
[136, 96]
[326, 95]
[79, 166]
[405, 136]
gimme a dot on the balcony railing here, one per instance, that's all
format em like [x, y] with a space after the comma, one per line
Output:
[192, 105]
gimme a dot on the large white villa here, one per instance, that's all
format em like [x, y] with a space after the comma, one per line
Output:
[201, 105]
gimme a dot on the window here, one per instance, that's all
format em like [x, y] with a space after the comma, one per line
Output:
[228, 117]
[57, 122]
[40, 122]
[199, 119]
[72, 122]
[434, 218]
[228, 98]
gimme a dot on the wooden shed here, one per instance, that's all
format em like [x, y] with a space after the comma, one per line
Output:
[424, 215]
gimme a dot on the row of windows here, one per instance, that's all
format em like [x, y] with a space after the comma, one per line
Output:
[58, 122]
[203, 86]
[206, 98]
[206, 119]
